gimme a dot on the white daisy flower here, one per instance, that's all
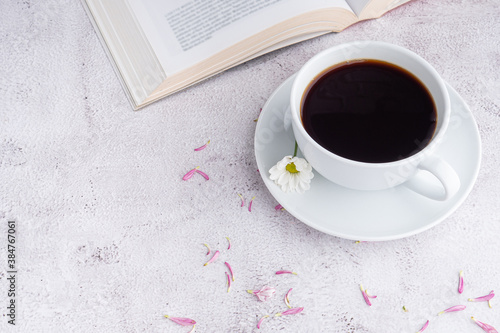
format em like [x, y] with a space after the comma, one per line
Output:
[292, 174]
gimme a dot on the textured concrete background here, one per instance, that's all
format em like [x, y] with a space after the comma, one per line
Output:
[110, 239]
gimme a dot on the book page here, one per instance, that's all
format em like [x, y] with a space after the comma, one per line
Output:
[358, 5]
[366, 9]
[184, 32]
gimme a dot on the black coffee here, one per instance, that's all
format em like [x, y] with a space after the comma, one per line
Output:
[369, 111]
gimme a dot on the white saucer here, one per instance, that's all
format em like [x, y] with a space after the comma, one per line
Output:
[367, 215]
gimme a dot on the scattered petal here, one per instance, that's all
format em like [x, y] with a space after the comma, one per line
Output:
[203, 174]
[264, 294]
[289, 312]
[405, 309]
[261, 320]
[287, 300]
[357, 242]
[256, 119]
[202, 147]
[229, 245]
[215, 256]
[424, 327]
[242, 200]
[190, 173]
[487, 328]
[228, 282]
[285, 272]
[366, 296]
[181, 321]
[485, 298]
[193, 329]
[250, 204]
[453, 309]
[461, 282]
[208, 247]
[230, 269]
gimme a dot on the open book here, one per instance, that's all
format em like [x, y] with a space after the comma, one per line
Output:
[159, 47]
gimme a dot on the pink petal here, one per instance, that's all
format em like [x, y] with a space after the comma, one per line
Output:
[487, 328]
[228, 282]
[202, 147]
[285, 272]
[366, 296]
[215, 256]
[264, 294]
[230, 269]
[208, 247]
[250, 205]
[182, 321]
[287, 300]
[424, 327]
[261, 320]
[453, 309]
[485, 298]
[193, 329]
[190, 173]
[258, 115]
[278, 207]
[229, 246]
[461, 282]
[242, 200]
[290, 312]
[203, 174]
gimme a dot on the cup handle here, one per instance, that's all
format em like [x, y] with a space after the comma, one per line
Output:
[426, 186]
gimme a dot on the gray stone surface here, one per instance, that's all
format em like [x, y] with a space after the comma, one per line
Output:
[110, 239]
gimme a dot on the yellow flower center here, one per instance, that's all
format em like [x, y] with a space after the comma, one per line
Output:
[290, 167]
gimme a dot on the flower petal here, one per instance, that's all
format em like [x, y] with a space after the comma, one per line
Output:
[278, 207]
[365, 295]
[230, 269]
[424, 327]
[287, 300]
[208, 247]
[214, 257]
[229, 243]
[261, 320]
[264, 294]
[485, 298]
[228, 282]
[453, 309]
[193, 329]
[461, 282]
[242, 200]
[284, 178]
[285, 272]
[190, 173]
[202, 147]
[181, 321]
[250, 204]
[290, 312]
[256, 119]
[203, 174]
[487, 328]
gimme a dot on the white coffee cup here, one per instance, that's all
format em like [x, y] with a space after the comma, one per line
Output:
[379, 176]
